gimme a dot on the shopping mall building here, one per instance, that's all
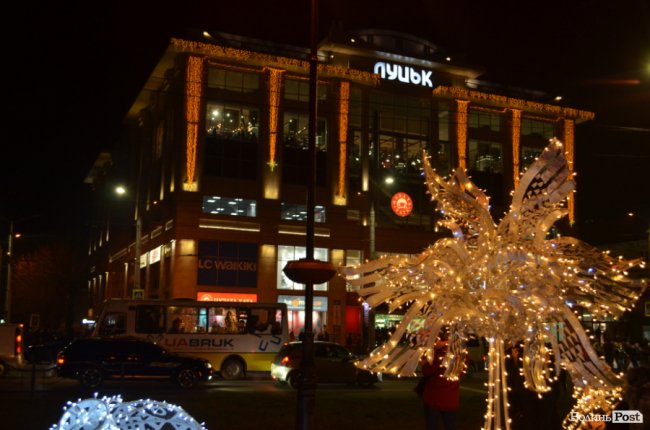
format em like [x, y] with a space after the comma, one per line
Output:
[214, 155]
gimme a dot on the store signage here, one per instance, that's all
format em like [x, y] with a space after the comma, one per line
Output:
[297, 303]
[406, 74]
[227, 264]
[154, 255]
[401, 204]
[204, 296]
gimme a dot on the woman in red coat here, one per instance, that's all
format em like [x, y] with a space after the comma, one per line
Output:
[441, 396]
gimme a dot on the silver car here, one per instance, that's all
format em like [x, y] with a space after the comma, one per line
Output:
[333, 363]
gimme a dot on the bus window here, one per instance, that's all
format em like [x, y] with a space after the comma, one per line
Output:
[149, 319]
[223, 320]
[183, 319]
[114, 323]
[265, 320]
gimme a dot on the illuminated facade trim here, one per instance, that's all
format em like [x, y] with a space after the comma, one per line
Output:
[461, 132]
[288, 63]
[568, 139]
[510, 102]
[344, 106]
[193, 85]
[275, 85]
[515, 133]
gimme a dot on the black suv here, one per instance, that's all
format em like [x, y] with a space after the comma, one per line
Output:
[332, 363]
[91, 360]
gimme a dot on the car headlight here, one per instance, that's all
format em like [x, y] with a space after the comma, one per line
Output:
[208, 365]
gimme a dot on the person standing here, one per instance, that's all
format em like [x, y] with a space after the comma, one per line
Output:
[441, 396]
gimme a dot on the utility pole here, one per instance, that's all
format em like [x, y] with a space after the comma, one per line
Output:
[8, 289]
[309, 271]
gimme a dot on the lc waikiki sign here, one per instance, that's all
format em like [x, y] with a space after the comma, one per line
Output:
[227, 264]
[406, 74]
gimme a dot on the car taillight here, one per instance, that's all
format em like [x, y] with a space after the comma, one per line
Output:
[18, 341]
[285, 360]
[60, 360]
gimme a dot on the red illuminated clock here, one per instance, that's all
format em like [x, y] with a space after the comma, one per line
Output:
[401, 204]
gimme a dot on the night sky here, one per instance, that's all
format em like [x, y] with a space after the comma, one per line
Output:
[75, 67]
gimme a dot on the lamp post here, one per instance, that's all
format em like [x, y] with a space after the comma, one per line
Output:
[10, 241]
[309, 271]
[120, 190]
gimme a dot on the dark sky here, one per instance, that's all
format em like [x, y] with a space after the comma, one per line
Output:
[75, 67]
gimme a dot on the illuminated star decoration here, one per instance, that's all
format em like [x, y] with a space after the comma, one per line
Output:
[111, 413]
[508, 283]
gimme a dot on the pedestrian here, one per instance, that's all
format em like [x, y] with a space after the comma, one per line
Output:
[441, 396]
[528, 410]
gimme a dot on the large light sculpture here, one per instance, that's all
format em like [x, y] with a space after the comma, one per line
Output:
[508, 283]
[111, 413]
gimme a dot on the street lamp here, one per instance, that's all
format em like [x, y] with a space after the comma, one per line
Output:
[309, 271]
[121, 190]
[10, 241]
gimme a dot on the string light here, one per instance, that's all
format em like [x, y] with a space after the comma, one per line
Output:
[344, 102]
[508, 283]
[461, 132]
[275, 81]
[194, 83]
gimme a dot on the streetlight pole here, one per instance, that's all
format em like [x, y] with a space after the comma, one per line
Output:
[309, 271]
[307, 386]
[8, 289]
[120, 190]
[138, 251]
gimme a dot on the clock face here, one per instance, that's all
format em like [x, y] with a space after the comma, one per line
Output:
[401, 204]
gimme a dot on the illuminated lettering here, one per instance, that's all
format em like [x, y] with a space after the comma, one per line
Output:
[205, 264]
[406, 74]
[246, 266]
[200, 343]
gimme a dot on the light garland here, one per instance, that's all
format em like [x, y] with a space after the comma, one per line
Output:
[515, 132]
[568, 139]
[193, 85]
[218, 51]
[344, 106]
[508, 283]
[275, 83]
[111, 413]
[461, 132]
[510, 102]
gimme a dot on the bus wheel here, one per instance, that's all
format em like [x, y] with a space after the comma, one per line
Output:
[3, 368]
[232, 368]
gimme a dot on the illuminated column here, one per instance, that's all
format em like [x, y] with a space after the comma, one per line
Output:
[193, 86]
[344, 106]
[461, 132]
[515, 132]
[275, 83]
[271, 177]
[568, 140]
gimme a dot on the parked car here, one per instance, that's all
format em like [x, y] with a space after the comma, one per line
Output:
[11, 347]
[44, 353]
[332, 363]
[92, 360]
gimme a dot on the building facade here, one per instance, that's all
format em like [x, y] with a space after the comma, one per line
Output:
[214, 155]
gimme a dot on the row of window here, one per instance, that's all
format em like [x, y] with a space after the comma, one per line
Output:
[235, 319]
[396, 113]
[232, 133]
[218, 205]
